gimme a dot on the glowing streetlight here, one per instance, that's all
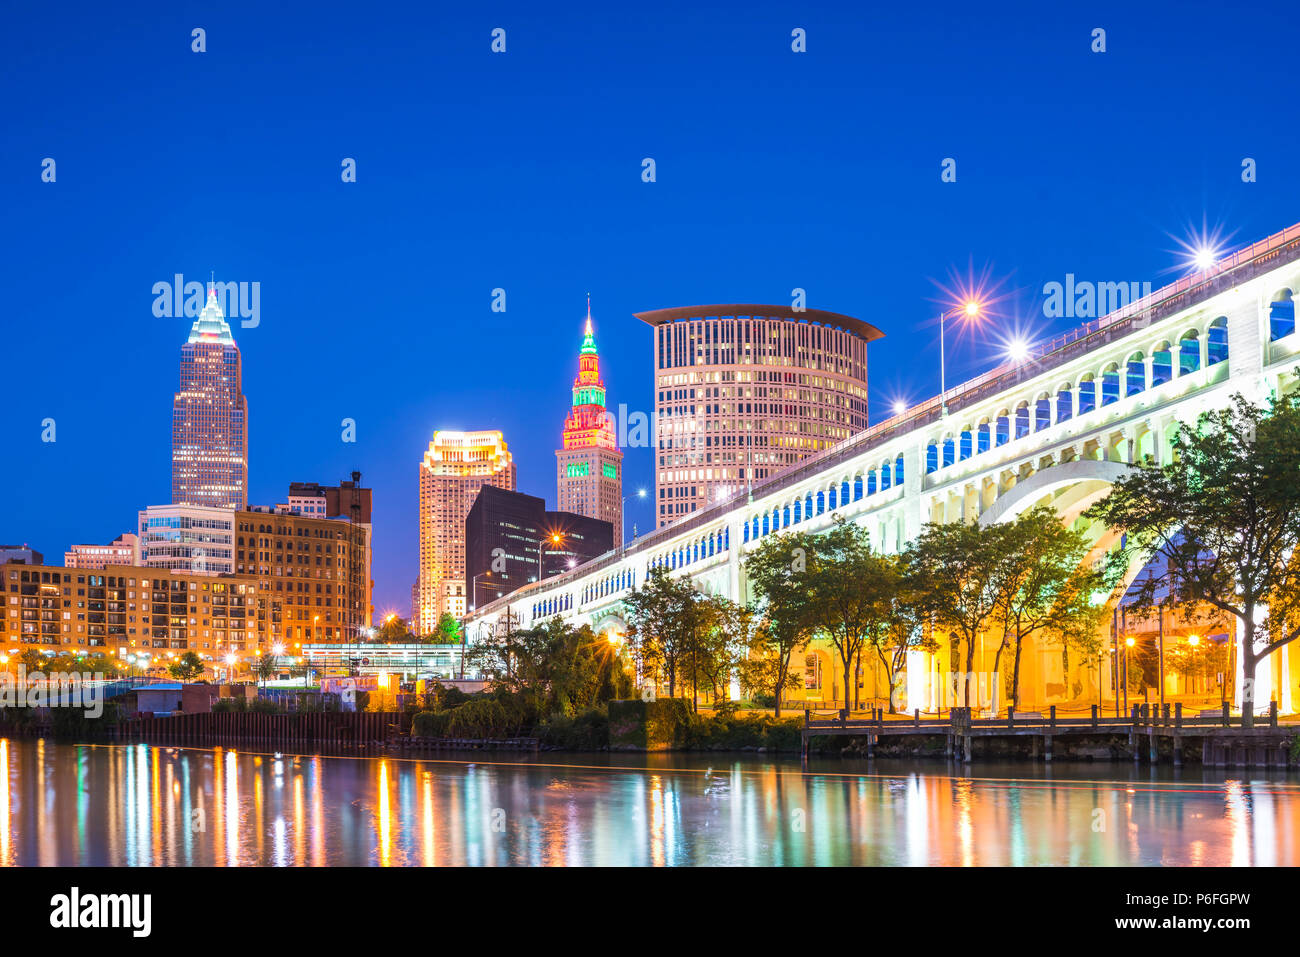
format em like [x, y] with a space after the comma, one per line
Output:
[1130, 641]
[899, 407]
[970, 310]
[1018, 350]
[640, 493]
[1193, 640]
[1203, 257]
[277, 649]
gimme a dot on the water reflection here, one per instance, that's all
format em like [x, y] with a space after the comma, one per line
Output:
[141, 805]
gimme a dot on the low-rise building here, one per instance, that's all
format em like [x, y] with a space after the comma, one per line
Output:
[121, 608]
[123, 550]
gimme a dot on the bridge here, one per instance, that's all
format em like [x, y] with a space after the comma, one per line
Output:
[1057, 426]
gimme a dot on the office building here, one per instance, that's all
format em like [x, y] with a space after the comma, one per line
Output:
[743, 391]
[210, 417]
[589, 465]
[453, 470]
[510, 538]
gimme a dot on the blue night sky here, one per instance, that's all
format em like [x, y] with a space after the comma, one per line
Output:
[477, 170]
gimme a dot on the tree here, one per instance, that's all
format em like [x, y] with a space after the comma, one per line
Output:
[776, 571]
[727, 635]
[1043, 587]
[903, 627]
[1203, 660]
[954, 568]
[662, 620]
[448, 631]
[187, 667]
[265, 667]
[852, 586]
[554, 667]
[394, 630]
[1221, 523]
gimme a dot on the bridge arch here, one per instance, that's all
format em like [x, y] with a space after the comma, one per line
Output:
[1023, 494]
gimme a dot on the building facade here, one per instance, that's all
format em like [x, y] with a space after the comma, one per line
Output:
[210, 417]
[510, 538]
[589, 465]
[454, 468]
[192, 538]
[345, 500]
[743, 391]
[20, 553]
[312, 573]
[122, 608]
[123, 550]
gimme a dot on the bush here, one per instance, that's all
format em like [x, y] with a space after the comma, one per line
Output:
[481, 718]
[431, 724]
[588, 731]
[447, 697]
[764, 701]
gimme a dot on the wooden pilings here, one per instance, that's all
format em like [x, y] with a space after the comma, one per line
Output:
[324, 729]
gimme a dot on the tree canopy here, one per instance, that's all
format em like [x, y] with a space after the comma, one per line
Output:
[1220, 525]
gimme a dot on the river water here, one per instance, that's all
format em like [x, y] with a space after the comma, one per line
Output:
[144, 805]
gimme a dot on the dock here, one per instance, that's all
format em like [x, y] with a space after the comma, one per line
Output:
[1224, 742]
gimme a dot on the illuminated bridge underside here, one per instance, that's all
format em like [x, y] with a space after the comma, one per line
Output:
[1058, 428]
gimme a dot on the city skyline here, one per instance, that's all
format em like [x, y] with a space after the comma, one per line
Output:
[853, 212]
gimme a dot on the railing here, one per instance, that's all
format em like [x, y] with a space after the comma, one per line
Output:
[1141, 717]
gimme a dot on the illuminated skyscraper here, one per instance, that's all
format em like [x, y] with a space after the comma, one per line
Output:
[589, 468]
[455, 467]
[210, 417]
[744, 391]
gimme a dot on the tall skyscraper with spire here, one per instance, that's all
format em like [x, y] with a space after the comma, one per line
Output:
[589, 466]
[210, 416]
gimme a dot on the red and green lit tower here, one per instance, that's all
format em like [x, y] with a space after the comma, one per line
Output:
[589, 466]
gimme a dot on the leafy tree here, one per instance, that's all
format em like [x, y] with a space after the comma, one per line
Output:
[1222, 521]
[955, 568]
[852, 587]
[1203, 660]
[448, 631]
[265, 667]
[554, 668]
[726, 636]
[662, 619]
[777, 573]
[187, 667]
[1043, 587]
[903, 628]
[394, 630]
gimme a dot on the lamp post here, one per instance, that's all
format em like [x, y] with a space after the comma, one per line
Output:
[555, 539]
[474, 587]
[970, 310]
[640, 493]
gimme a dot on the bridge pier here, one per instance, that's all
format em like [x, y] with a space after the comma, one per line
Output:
[1047, 749]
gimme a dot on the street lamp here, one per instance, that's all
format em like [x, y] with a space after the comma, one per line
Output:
[970, 310]
[640, 493]
[473, 587]
[555, 539]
